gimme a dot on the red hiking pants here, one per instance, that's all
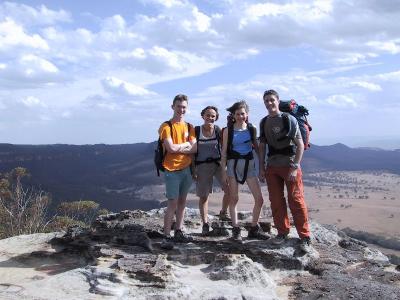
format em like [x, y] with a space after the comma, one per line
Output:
[277, 178]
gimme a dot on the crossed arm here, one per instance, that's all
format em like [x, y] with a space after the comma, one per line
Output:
[184, 148]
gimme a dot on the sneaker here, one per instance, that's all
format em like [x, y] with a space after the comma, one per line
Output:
[236, 236]
[305, 244]
[167, 243]
[206, 229]
[279, 239]
[223, 216]
[180, 237]
[255, 232]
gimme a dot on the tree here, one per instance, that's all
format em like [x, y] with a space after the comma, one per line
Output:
[22, 210]
[83, 210]
[25, 210]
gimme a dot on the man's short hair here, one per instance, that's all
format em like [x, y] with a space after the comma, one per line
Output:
[180, 98]
[271, 92]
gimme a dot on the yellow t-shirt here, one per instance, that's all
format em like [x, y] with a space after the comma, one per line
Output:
[177, 161]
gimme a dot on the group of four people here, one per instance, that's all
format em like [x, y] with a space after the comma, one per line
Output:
[227, 155]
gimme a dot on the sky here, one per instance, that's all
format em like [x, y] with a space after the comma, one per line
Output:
[88, 72]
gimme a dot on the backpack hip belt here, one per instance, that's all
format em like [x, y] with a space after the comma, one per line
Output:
[287, 151]
[236, 156]
[209, 160]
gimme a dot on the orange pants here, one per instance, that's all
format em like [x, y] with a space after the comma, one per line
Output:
[277, 178]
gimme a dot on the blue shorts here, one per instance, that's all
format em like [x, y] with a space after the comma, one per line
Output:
[177, 183]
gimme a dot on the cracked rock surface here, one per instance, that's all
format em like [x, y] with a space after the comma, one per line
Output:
[120, 258]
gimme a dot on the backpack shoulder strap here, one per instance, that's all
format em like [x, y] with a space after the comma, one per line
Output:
[170, 127]
[217, 132]
[189, 126]
[253, 134]
[197, 132]
[262, 127]
[286, 123]
[230, 138]
[169, 123]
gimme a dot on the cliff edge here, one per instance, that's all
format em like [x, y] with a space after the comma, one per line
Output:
[120, 258]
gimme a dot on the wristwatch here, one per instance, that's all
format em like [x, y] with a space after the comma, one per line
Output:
[295, 165]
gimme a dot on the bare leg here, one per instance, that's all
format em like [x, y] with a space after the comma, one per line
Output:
[180, 211]
[169, 215]
[255, 189]
[234, 198]
[225, 201]
[203, 207]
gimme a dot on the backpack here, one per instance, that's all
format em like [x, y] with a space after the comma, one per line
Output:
[231, 154]
[300, 113]
[160, 153]
[218, 135]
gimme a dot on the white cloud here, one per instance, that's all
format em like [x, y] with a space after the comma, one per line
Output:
[390, 76]
[32, 101]
[373, 87]
[392, 47]
[168, 3]
[33, 64]
[64, 65]
[117, 86]
[13, 35]
[201, 22]
[302, 12]
[30, 71]
[341, 101]
[33, 16]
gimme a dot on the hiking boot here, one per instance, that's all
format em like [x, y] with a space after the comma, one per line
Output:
[279, 239]
[305, 244]
[180, 237]
[255, 232]
[206, 229]
[236, 236]
[223, 216]
[167, 243]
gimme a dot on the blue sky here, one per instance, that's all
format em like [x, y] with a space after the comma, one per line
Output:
[85, 72]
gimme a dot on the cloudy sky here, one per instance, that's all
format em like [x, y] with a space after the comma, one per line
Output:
[84, 72]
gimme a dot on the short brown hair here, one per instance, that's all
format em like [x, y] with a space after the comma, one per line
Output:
[271, 92]
[180, 98]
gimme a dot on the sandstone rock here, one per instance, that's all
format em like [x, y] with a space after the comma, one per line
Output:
[120, 257]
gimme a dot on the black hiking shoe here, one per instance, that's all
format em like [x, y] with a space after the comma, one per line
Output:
[167, 243]
[279, 239]
[305, 245]
[205, 229]
[255, 232]
[223, 216]
[236, 236]
[180, 237]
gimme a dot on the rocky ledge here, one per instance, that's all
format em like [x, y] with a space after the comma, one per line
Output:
[120, 258]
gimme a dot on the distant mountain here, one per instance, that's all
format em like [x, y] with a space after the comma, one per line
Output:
[112, 174]
[108, 174]
[342, 158]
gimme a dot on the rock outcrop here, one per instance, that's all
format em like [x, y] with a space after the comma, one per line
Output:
[120, 258]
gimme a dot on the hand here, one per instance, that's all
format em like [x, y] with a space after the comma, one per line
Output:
[261, 174]
[292, 174]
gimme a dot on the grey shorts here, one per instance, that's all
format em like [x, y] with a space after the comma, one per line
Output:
[251, 171]
[205, 174]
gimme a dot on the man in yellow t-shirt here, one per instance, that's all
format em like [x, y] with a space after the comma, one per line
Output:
[179, 145]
